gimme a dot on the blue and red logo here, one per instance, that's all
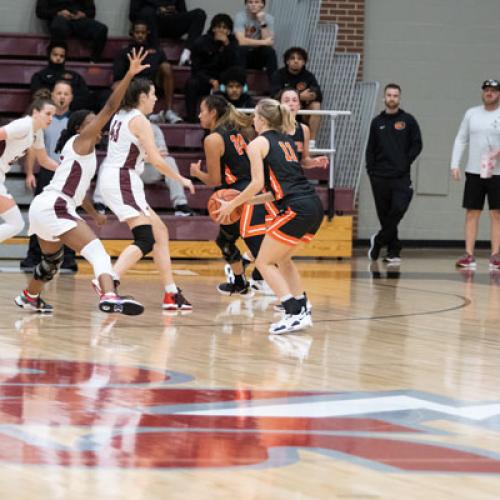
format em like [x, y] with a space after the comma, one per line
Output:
[133, 417]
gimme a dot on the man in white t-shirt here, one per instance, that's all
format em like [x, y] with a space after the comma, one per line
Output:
[254, 30]
[480, 132]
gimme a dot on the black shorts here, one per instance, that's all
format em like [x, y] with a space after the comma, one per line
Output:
[298, 222]
[477, 189]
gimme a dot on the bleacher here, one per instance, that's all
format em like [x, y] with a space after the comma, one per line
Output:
[21, 55]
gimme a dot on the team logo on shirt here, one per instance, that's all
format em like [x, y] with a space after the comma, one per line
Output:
[400, 125]
[301, 86]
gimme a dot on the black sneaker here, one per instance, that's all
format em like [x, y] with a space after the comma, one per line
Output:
[112, 303]
[234, 289]
[374, 250]
[183, 211]
[69, 265]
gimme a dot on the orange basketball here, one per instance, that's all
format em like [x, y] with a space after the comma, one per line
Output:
[227, 195]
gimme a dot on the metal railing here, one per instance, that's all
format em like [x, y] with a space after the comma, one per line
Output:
[330, 151]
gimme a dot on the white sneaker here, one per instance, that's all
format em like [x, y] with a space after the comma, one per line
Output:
[157, 117]
[172, 117]
[291, 323]
[260, 286]
[185, 58]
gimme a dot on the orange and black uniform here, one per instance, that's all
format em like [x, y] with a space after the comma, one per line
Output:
[301, 211]
[298, 139]
[235, 174]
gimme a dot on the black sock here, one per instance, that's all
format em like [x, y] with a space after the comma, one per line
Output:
[292, 306]
[239, 280]
[256, 275]
[303, 301]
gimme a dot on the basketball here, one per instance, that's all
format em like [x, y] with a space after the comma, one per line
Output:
[227, 195]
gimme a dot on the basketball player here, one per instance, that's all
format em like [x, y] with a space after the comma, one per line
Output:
[131, 138]
[53, 216]
[15, 139]
[275, 166]
[228, 167]
[301, 134]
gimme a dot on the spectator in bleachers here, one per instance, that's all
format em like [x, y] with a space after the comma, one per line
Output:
[295, 75]
[67, 18]
[171, 19]
[234, 87]
[159, 71]
[151, 175]
[61, 96]
[254, 30]
[212, 53]
[56, 71]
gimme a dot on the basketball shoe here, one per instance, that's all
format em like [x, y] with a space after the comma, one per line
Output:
[466, 261]
[374, 250]
[112, 303]
[33, 303]
[235, 289]
[260, 286]
[176, 302]
[495, 262]
[291, 323]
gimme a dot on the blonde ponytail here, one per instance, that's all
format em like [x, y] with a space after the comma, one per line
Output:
[277, 116]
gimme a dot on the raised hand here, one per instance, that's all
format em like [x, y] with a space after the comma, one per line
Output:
[135, 59]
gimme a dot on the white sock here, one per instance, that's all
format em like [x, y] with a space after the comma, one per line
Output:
[286, 297]
[300, 297]
[13, 223]
[171, 288]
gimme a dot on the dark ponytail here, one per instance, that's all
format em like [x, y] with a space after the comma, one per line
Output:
[135, 89]
[74, 123]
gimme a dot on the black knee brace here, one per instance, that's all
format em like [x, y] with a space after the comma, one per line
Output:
[143, 238]
[49, 265]
[227, 244]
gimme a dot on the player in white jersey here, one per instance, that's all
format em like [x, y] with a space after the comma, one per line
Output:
[131, 138]
[15, 139]
[53, 216]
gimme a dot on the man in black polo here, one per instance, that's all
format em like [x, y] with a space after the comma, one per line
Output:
[394, 144]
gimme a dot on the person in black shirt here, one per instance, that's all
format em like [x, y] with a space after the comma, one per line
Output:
[393, 145]
[159, 71]
[211, 54]
[170, 18]
[234, 87]
[275, 167]
[228, 167]
[67, 18]
[295, 75]
[56, 71]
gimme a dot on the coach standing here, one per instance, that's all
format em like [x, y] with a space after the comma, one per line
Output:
[394, 144]
[480, 131]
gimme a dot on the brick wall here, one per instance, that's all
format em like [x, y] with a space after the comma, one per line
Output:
[350, 17]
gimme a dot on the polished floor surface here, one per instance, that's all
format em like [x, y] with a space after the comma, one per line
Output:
[394, 393]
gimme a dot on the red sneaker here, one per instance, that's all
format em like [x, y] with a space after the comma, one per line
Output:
[466, 261]
[495, 261]
[176, 302]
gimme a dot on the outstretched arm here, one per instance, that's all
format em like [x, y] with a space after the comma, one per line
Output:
[87, 138]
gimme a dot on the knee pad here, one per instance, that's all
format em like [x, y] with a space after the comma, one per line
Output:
[143, 238]
[95, 253]
[227, 244]
[49, 265]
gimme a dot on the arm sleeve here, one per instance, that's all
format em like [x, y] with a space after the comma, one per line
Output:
[239, 23]
[44, 11]
[277, 82]
[461, 142]
[416, 142]
[370, 148]
[120, 67]
[18, 128]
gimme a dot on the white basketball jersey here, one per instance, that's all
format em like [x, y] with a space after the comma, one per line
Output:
[124, 149]
[74, 174]
[20, 137]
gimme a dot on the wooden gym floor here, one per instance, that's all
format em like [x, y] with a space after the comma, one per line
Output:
[394, 393]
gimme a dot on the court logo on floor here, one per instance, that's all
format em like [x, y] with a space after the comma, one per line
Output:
[134, 417]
